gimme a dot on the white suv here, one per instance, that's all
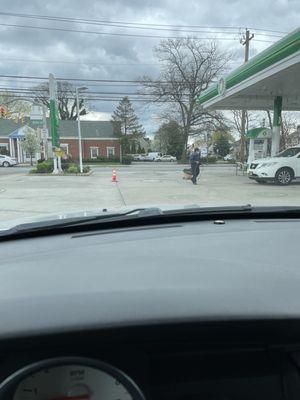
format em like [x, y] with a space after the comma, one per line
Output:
[281, 169]
[7, 161]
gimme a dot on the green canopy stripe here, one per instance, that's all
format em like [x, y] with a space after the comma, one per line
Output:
[285, 47]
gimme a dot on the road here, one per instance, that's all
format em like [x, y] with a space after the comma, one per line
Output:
[23, 195]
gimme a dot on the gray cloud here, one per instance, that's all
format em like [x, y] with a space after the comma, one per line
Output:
[16, 43]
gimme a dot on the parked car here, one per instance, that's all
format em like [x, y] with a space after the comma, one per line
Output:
[7, 161]
[229, 157]
[281, 169]
[138, 157]
[152, 156]
[166, 157]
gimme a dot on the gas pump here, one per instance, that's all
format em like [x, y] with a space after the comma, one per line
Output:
[259, 140]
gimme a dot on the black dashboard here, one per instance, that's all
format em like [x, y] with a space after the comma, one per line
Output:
[244, 360]
[185, 311]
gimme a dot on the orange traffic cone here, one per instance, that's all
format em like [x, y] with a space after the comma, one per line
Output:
[114, 176]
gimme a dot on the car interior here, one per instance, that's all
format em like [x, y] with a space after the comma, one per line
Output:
[186, 310]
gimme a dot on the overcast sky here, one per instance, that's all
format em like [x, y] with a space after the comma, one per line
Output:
[92, 56]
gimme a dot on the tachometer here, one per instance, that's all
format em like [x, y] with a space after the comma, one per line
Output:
[70, 378]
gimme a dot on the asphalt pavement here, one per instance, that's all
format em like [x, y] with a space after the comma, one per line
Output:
[140, 184]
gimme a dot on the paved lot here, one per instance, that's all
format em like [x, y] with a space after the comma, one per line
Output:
[23, 195]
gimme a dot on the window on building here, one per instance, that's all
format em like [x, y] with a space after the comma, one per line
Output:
[3, 148]
[65, 147]
[110, 151]
[94, 151]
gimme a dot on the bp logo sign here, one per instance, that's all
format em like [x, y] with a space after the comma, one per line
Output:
[222, 86]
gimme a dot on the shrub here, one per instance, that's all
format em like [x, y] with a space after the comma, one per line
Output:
[127, 160]
[183, 160]
[73, 169]
[44, 167]
[86, 169]
[209, 160]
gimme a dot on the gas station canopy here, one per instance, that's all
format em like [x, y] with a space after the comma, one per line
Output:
[275, 72]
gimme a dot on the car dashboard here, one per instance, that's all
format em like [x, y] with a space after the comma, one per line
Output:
[193, 310]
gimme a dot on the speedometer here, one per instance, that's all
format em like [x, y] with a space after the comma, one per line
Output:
[70, 379]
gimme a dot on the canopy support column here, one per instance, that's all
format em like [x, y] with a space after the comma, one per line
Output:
[276, 126]
[251, 152]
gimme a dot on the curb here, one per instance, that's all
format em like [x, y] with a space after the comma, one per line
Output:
[83, 174]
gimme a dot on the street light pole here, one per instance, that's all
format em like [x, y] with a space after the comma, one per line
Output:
[79, 128]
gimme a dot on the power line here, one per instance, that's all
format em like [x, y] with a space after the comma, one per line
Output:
[34, 91]
[98, 98]
[104, 84]
[76, 62]
[128, 24]
[48, 28]
[82, 80]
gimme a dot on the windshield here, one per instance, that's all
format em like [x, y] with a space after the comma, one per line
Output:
[122, 105]
[289, 152]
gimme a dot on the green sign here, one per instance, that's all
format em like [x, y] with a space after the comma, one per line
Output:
[54, 123]
[37, 122]
[259, 133]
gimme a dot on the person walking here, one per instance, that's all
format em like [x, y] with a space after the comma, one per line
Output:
[195, 164]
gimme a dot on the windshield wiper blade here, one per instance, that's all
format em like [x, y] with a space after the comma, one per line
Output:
[146, 216]
[204, 210]
[77, 221]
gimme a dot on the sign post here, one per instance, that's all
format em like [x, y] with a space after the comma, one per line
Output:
[54, 122]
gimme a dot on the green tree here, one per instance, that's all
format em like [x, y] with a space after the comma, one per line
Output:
[169, 139]
[124, 119]
[222, 142]
[31, 144]
[139, 149]
[125, 145]
[133, 147]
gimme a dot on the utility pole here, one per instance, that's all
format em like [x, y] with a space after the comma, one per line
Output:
[245, 41]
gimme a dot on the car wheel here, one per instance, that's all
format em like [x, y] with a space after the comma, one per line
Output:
[6, 164]
[284, 176]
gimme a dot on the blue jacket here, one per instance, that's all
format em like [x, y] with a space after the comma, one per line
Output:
[195, 157]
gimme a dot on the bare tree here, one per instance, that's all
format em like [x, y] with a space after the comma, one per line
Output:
[189, 66]
[237, 120]
[65, 97]
[288, 127]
